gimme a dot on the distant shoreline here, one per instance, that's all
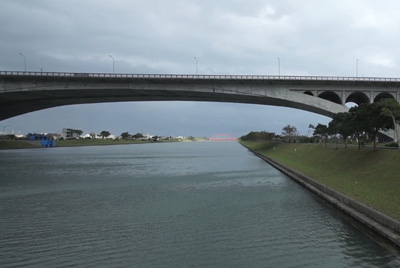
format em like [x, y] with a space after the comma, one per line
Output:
[26, 144]
[18, 144]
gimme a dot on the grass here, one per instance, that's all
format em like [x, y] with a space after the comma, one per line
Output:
[10, 144]
[369, 176]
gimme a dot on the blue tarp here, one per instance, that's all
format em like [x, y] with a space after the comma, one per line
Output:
[44, 140]
[48, 143]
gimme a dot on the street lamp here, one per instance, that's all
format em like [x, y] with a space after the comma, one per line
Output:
[279, 67]
[24, 59]
[113, 62]
[196, 64]
[357, 68]
[4, 129]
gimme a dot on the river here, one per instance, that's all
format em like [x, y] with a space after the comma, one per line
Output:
[194, 204]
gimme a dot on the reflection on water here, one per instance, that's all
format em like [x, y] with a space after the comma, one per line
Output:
[200, 204]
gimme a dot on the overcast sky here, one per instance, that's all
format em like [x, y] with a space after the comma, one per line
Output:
[227, 37]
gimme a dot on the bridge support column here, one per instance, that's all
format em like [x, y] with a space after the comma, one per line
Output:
[343, 97]
[372, 96]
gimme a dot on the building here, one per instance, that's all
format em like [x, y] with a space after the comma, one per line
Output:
[70, 133]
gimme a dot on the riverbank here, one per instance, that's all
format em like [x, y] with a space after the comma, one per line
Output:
[364, 176]
[97, 142]
[11, 144]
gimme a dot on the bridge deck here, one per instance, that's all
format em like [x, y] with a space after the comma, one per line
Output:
[191, 76]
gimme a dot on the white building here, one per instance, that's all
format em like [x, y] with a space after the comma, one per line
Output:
[69, 133]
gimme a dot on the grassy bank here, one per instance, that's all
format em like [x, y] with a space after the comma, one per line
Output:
[9, 144]
[371, 177]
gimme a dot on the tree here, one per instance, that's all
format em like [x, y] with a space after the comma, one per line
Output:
[125, 135]
[321, 131]
[138, 136]
[391, 108]
[342, 123]
[76, 133]
[357, 126]
[105, 134]
[290, 132]
[369, 118]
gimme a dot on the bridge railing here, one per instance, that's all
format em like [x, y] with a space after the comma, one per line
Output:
[191, 76]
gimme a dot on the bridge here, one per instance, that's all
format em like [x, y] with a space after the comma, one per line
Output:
[222, 137]
[23, 92]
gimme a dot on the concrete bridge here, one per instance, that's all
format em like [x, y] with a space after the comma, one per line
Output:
[23, 92]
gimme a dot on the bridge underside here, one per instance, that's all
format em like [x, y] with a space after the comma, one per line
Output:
[28, 95]
[17, 104]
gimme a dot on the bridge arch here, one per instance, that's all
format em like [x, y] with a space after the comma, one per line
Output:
[358, 98]
[308, 93]
[330, 96]
[383, 95]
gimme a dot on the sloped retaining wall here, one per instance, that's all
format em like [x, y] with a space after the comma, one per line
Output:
[375, 220]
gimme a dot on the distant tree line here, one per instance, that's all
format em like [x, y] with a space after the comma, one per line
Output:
[127, 136]
[258, 136]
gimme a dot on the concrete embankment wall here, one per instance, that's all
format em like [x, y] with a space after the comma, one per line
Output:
[375, 220]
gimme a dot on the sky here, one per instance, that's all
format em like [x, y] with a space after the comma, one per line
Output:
[328, 38]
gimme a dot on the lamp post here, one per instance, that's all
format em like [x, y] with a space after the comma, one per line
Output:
[24, 59]
[196, 64]
[279, 67]
[113, 63]
[4, 129]
[357, 68]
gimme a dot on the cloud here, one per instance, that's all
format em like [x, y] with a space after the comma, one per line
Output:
[236, 37]
[380, 60]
